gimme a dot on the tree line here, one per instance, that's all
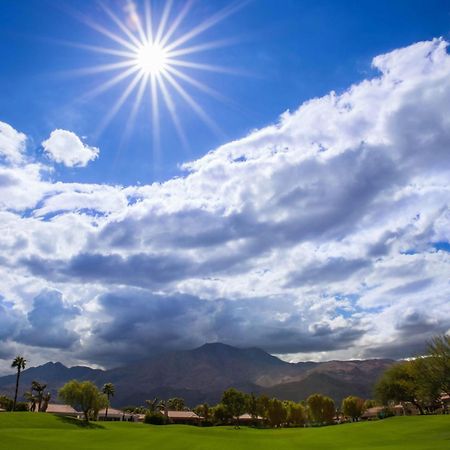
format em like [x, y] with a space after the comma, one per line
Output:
[420, 381]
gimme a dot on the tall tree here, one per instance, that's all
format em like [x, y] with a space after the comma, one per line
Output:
[321, 408]
[409, 381]
[235, 402]
[276, 412]
[109, 390]
[439, 351]
[19, 363]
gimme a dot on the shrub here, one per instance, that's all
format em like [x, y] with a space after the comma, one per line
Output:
[21, 406]
[155, 418]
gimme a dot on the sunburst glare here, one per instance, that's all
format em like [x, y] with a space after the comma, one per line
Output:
[149, 54]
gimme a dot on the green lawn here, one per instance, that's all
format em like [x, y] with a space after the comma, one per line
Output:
[25, 431]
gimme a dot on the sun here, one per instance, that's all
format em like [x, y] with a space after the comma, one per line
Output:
[152, 59]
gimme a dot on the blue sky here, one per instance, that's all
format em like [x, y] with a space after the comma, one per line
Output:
[290, 51]
[314, 223]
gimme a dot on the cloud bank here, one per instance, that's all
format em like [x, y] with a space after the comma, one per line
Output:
[324, 235]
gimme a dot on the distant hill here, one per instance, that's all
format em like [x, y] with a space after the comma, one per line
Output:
[202, 374]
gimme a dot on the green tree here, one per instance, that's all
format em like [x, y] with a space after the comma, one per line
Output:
[19, 363]
[83, 396]
[321, 408]
[204, 411]
[409, 381]
[152, 405]
[353, 407]
[263, 406]
[6, 402]
[176, 404]
[276, 412]
[221, 414]
[296, 414]
[439, 352]
[109, 390]
[235, 402]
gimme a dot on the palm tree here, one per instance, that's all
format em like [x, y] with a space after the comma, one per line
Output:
[20, 362]
[39, 389]
[109, 391]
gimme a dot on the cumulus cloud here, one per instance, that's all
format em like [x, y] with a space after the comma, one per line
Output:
[322, 235]
[66, 147]
[47, 322]
[12, 144]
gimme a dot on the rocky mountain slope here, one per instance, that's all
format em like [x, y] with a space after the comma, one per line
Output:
[204, 373]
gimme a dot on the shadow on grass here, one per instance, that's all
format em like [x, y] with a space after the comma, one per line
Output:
[80, 423]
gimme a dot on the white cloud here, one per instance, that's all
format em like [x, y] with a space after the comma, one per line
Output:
[67, 148]
[326, 219]
[12, 144]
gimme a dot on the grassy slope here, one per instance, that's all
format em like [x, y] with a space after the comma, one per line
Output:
[25, 431]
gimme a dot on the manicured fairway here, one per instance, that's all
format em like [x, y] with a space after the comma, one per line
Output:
[25, 431]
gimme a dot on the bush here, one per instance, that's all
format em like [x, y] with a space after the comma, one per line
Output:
[6, 402]
[21, 406]
[155, 418]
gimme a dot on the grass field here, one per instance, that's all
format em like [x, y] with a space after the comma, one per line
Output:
[25, 431]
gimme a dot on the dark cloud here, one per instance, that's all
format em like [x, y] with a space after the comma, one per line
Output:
[332, 270]
[411, 287]
[141, 324]
[10, 320]
[47, 322]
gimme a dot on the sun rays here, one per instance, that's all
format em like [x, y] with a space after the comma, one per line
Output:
[151, 58]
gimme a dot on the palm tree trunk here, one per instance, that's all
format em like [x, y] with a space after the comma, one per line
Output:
[17, 389]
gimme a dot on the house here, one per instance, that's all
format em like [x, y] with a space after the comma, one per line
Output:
[186, 417]
[405, 409]
[373, 413]
[247, 418]
[62, 410]
[114, 415]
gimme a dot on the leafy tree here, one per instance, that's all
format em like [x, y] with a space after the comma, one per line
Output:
[328, 410]
[252, 405]
[109, 390]
[19, 363]
[235, 402]
[370, 403]
[321, 408]
[408, 381]
[176, 404]
[204, 411]
[277, 412]
[83, 396]
[439, 352]
[296, 414]
[263, 406]
[6, 402]
[353, 407]
[221, 414]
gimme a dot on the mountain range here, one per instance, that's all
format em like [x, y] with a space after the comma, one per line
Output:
[202, 374]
